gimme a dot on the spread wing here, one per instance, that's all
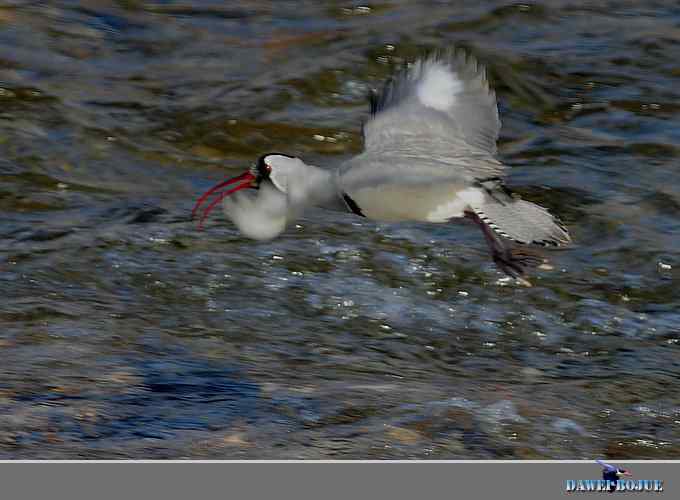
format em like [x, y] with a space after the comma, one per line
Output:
[607, 467]
[432, 134]
[441, 105]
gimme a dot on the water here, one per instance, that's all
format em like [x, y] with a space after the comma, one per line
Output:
[127, 333]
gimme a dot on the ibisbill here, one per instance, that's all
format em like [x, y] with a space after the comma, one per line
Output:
[429, 155]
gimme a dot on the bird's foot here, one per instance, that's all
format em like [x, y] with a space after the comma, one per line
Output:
[514, 261]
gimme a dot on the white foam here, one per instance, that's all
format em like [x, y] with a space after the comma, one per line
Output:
[439, 87]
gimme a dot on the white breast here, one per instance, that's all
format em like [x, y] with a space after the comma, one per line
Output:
[260, 215]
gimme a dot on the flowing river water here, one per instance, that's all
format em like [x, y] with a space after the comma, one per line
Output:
[125, 332]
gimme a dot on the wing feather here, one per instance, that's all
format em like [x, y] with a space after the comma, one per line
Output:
[443, 101]
[435, 122]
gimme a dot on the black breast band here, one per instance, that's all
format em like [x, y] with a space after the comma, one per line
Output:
[352, 205]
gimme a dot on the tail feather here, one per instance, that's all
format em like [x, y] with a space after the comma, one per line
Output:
[523, 222]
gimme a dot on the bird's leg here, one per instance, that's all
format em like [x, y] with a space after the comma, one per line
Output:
[512, 261]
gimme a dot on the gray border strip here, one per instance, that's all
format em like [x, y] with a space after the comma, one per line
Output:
[394, 480]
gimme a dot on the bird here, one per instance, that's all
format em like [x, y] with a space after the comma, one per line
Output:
[429, 155]
[612, 474]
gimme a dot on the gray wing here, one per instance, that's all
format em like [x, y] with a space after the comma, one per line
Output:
[432, 134]
[441, 104]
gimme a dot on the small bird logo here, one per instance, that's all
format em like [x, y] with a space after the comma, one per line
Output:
[612, 474]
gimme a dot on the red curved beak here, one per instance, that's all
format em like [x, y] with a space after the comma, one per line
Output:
[245, 180]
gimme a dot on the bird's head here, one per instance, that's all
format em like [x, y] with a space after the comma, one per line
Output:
[278, 168]
[272, 167]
